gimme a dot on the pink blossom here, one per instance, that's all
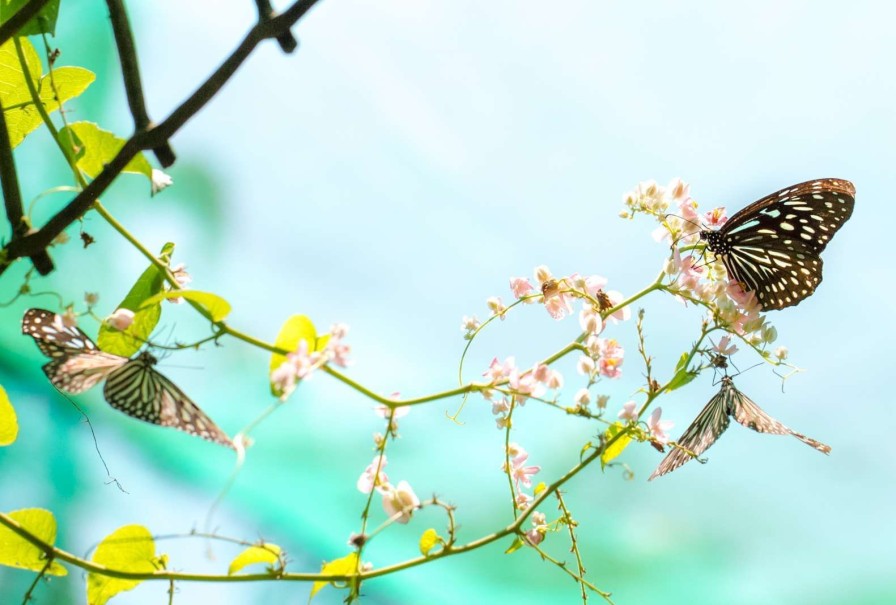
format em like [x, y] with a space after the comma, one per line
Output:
[535, 536]
[582, 397]
[554, 381]
[498, 371]
[520, 287]
[69, 319]
[383, 411]
[690, 273]
[781, 353]
[629, 411]
[590, 320]
[524, 385]
[659, 427]
[541, 372]
[602, 401]
[283, 378]
[496, 306]
[678, 191]
[688, 209]
[369, 479]
[716, 217]
[339, 331]
[609, 367]
[502, 406]
[469, 324]
[522, 475]
[585, 365]
[121, 319]
[558, 305]
[522, 500]
[738, 294]
[723, 347]
[400, 500]
[542, 274]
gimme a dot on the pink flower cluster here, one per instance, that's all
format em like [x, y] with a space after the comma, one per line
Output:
[659, 429]
[399, 501]
[301, 363]
[604, 358]
[517, 386]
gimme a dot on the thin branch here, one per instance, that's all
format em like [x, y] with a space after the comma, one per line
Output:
[156, 135]
[12, 197]
[286, 40]
[12, 25]
[130, 69]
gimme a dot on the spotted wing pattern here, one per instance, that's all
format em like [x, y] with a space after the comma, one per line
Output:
[132, 386]
[773, 246]
[713, 421]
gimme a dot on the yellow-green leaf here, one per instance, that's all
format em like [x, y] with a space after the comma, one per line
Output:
[217, 307]
[94, 147]
[44, 22]
[428, 541]
[149, 284]
[266, 553]
[345, 566]
[129, 548]
[682, 374]
[9, 426]
[617, 446]
[16, 551]
[517, 544]
[539, 488]
[296, 329]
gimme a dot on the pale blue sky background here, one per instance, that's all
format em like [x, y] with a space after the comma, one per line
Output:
[393, 174]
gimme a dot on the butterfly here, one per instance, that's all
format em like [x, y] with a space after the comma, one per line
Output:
[714, 419]
[773, 246]
[132, 386]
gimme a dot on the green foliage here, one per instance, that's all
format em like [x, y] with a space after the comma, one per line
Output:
[682, 374]
[515, 546]
[216, 307]
[21, 115]
[616, 448]
[44, 22]
[9, 426]
[93, 148]
[150, 283]
[296, 329]
[266, 553]
[129, 548]
[16, 551]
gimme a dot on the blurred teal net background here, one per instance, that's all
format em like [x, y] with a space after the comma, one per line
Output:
[393, 174]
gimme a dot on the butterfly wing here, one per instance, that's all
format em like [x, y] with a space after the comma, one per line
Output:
[141, 392]
[746, 412]
[77, 364]
[772, 246]
[699, 436]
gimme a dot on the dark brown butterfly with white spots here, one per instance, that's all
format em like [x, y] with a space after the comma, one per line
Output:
[773, 246]
[132, 385]
[713, 421]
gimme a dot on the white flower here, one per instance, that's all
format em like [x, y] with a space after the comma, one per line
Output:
[400, 500]
[160, 181]
[121, 319]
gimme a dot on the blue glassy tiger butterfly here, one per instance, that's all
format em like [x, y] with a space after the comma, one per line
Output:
[773, 246]
[132, 386]
[714, 419]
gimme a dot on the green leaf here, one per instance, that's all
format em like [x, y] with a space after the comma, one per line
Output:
[94, 147]
[429, 540]
[217, 307]
[266, 553]
[616, 448]
[129, 548]
[21, 115]
[9, 426]
[149, 284]
[346, 566]
[682, 374]
[44, 22]
[517, 544]
[296, 329]
[16, 551]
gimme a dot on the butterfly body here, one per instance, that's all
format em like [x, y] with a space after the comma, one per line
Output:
[714, 419]
[772, 247]
[132, 386]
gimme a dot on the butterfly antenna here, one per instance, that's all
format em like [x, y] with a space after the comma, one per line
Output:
[96, 443]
